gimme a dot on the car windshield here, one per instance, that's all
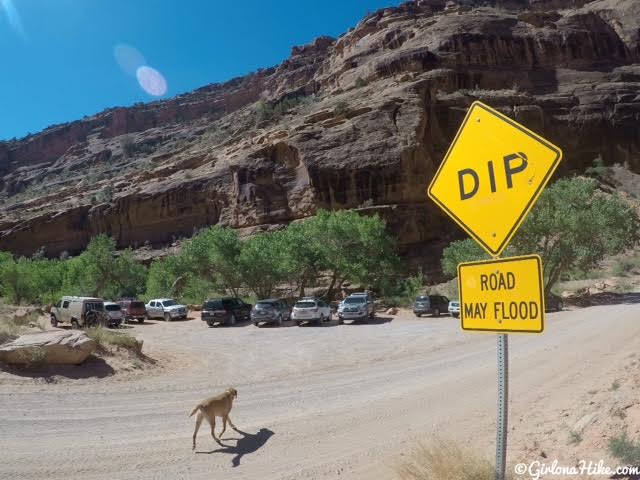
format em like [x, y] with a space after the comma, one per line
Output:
[355, 300]
[422, 299]
[169, 303]
[307, 304]
[213, 305]
[265, 305]
[112, 308]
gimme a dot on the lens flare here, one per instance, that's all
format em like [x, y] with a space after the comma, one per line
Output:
[12, 15]
[151, 81]
[128, 58]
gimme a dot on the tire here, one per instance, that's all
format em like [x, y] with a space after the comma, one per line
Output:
[436, 312]
[54, 321]
[279, 322]
[232, 320]
[417, 314]
[74, 324]
[298, 323]
[255, 324]
[141, 320]
[167, 317]
[340, 321]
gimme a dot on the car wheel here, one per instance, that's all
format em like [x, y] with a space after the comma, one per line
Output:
[141, 320]
[255, 324]
[54, 321]
[436, 312]
[330, 317]
[298, 323]
[232, 320]
[417, 314]
[167, 317]
[210, 323]
[279, 322]
[74, 324]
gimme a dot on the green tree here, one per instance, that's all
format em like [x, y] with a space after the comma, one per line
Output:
[574, 226]
[214, 255]
[264, 263]
[352, 247]
[30, 280]
[100, 271]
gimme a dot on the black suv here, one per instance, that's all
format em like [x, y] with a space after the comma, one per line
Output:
[430, 304]
[226, 311]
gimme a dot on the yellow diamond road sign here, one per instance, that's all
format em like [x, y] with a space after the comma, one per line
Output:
[504, 295]
[492, 175]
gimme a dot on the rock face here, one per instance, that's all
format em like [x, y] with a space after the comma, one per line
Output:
[361, 122]
[51, 347]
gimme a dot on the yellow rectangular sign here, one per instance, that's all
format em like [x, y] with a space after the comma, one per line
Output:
[502, 295]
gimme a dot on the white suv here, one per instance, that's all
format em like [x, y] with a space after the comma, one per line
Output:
[311, 310]
[166, 308]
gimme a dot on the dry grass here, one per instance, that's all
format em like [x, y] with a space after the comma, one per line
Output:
[105, 339]
[11, 327]
[444, 460]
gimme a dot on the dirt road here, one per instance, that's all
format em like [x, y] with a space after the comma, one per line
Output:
[314, 403]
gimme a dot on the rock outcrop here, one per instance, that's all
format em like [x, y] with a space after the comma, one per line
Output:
[361, 122]
[50, 347]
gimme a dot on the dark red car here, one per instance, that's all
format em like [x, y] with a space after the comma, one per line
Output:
[133, 310]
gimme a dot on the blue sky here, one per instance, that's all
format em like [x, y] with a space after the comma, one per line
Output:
[58, 61]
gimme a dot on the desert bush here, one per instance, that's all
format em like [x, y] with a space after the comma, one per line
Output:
[341, 108]
[105, 338]
[443, 460]
[360, 82]
[625, 449]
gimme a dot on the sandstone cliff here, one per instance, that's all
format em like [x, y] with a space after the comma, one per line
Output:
[358, 122]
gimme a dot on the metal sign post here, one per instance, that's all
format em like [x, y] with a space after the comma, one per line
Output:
[503, 405]
[494, 164]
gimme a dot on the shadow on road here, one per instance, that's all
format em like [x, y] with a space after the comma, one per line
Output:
[604, 298]
[248, 443]
[93, 367]
[378, 320]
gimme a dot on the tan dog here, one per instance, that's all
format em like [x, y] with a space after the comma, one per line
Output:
[218, 406]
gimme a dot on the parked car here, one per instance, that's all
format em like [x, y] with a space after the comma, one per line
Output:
[552, 303]
[78, 311]
[311, 310]
[357, 306]
[454, 308]
[272, 310]
[226, 311]
[133, 310]
[114, 313]
[166, 308]
[430, 305]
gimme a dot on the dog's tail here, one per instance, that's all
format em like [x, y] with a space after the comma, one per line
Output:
[198, 407]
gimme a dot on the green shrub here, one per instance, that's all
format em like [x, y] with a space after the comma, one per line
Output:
[625, 449]
[360, 82]
[341, 108]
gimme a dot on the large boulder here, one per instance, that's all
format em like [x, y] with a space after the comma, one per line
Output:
[51, 347]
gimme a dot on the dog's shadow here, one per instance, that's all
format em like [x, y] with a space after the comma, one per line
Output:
[247, 443]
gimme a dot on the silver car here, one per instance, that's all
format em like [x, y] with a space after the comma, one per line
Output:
[272, 310]
[114, 313]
